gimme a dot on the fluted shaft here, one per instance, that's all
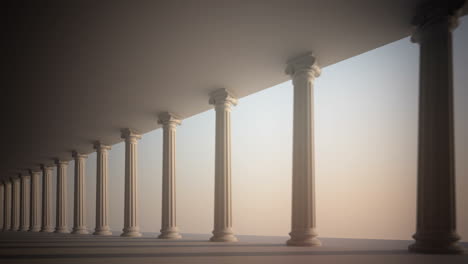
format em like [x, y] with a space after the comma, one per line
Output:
[436, 211]
[15, 204]
[223, 100]
[7, 206]
[2, 204]
[102, 196]
[46, 199]
[61, 223]
[35, 220]
[303, 71]
[79, 203]
[169, 228]
[25, 202]
[131, 227]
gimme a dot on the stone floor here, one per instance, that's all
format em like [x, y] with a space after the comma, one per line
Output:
[22, 247]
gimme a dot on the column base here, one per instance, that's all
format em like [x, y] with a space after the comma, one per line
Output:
[223, 236]
[104, 231]
[34, 229]
[24, 229]
[47, 229]
[306, 238]
[61, 230]
[170, 234]
[14, 229]
[80, 231]
[436, 243]
[131, 232]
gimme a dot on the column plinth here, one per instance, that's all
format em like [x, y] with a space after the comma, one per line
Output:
[102, 199]
[47, 199]
[61, 214]
[223, 100]
[7, 206]
[131, 228]
[79, 214]
[15, 203]
[303, 71]
[436, 210]
[35, 217]
[25, 202]
[169, 228]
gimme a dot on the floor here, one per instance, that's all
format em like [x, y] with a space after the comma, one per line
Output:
[24, 247]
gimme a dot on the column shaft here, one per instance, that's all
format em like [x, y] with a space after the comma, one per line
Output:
[47, 199]
[131, 228]
[25, 202]
[15, 204]
[102, 197]
[2, 204]
[35, 220]
[61, 225]
[79, 214]
[7, 206]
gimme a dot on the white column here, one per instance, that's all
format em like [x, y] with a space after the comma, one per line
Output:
[79, 214]
[46, 199]
[303, 71]
[169, 228]
[436, 211]
[131, 228]
[102, 197]
[61, 224]
[7, 206]
[15, 203]
[2, 204]
[223, 100]
[35, 225]
[25, 200]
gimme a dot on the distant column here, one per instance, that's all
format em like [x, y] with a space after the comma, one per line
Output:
[169, 228]
[223, 100]
[102, 196]
[2, 204]
[15, 203]
[25, 202]
[61, 224]
[35, 202]
[436, 210]
[7, 206]
[303, 71]
[46, 199]
[131, 228]
[79, 214]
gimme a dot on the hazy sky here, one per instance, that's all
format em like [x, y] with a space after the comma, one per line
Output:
[366, 145]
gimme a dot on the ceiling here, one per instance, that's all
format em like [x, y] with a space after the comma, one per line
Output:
[76, 74]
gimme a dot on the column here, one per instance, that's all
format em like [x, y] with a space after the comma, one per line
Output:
[2, 204]
[169, 228]
[25, 200]
[436, 210]
[131, 228]
[102, 197]
[303, 71]
[223, 100]
[46, 199]
[7, 206]
[61, 225]
[35, 202]
[79, 205]
[15, 203]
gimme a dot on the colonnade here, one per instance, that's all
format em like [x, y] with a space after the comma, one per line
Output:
[436, 228]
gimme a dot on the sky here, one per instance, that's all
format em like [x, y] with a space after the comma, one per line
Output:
[366, 153]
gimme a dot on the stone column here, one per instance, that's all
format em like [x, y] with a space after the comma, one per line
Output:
[46, 199]
[2, 204]
[15, 203]
[7, 206]
[79, 214]
[61, 224]
[436, 210]
[169, 228]
[25, 200]
[102, 196]
[131, 228]
[303, 71]
[223, 100]
[35, 202]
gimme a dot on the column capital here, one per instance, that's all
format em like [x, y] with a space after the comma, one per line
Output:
[34, 171]
[167, 118]
[222, 97]
[130, 134]
[303, 64]
[47, 168]
[60, 162]
[434, 12]
[25, 176]
[98, 146]
[77, 155]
